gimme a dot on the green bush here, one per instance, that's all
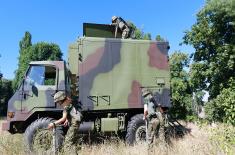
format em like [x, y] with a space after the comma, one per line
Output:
[5, 94]
[222, 108]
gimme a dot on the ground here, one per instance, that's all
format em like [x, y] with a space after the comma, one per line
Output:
[196, 142]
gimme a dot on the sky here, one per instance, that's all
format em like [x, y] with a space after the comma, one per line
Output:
[60, 22]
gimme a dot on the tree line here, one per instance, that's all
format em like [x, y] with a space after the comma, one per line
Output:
[211, 68]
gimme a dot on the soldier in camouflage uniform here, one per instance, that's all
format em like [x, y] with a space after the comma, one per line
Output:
[153, 113]
[122, 25]
[70, 118]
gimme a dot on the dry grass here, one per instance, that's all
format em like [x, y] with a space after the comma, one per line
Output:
[195, 143]
[9, 144]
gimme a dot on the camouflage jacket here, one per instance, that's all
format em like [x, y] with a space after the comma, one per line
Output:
[73, 114]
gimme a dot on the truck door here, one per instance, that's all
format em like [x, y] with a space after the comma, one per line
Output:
[38, 88]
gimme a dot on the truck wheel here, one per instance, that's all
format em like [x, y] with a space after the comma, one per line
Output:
[136, 130]
[38, 138]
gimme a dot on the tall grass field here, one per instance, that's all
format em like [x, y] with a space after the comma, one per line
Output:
[203, 140]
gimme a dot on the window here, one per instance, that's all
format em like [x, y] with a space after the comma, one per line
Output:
[41, 75]
[50, 75]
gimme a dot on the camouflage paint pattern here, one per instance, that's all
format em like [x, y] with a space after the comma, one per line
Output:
[38, 97]
[111, 74]
[113, 71]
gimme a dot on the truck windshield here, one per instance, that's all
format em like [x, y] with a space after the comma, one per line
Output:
[36, 75]
[42, 75]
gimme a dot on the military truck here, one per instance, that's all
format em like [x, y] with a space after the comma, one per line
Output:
[105, 75]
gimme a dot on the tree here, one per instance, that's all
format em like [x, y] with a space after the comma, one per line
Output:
[180, 85]
[5, 94]
[222, 108]
[159, 38]
[138, 33]
[37, 52]
[1, 75]
[26, 41]
[213, 37]
[147, 36]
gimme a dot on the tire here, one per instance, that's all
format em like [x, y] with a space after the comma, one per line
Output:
[38, 138]
[136, 131]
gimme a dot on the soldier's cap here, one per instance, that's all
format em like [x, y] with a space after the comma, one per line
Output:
[59, 96]
[146, 92]
[114, 18]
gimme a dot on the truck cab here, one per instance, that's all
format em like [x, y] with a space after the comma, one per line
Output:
[35, 94]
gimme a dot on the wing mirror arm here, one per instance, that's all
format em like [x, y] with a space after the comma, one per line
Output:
[22, 90]
[57, 83]
[23, 82]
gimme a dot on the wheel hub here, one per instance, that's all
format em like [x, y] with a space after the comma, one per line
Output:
[42, 140]
[140, 134]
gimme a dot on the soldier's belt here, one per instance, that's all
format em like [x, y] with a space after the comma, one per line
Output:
[156, 115]
[150, 116]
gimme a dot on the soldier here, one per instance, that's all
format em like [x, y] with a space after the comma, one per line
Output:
[72, 118]
[122, 25]
[153, 113]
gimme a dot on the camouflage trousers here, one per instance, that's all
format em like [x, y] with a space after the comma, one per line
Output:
[156, 130]
[71, 140]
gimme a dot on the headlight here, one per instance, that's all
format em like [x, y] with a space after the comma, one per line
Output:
[10, 114]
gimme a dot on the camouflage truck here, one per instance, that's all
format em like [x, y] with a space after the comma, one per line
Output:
[105, 75]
